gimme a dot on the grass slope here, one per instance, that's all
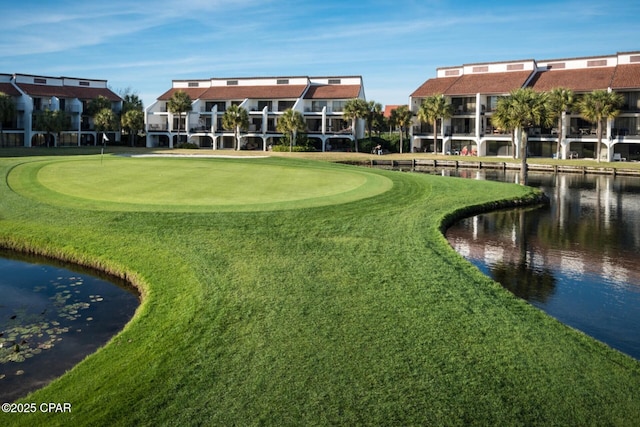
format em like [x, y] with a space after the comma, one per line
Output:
[342, 313]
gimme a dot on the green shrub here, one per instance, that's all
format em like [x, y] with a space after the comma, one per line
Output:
[188, 145]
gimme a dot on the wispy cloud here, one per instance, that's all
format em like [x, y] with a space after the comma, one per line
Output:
[394, 45]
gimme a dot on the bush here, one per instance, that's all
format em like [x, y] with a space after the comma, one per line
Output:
[188, 145]
[302, 144]
[296, 148]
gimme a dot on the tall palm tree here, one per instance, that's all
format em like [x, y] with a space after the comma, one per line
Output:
[353, 110]
[290, 123]
[560, 101]
[597, 107]
[374, 110]
[235, 118]
[433, 108]
[179, 103]
[132, 121]
[401, 117]
[502, 118]
[105, 120]
[525, 108]
[7, 112]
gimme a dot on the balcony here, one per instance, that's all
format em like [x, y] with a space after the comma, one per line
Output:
[156, 127]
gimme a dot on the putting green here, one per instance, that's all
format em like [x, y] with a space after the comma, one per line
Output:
[192, 185]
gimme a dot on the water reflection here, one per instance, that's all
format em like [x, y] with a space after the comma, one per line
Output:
[576, 259]
[51, 318]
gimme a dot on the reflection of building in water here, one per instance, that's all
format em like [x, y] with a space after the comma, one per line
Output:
[591, 228]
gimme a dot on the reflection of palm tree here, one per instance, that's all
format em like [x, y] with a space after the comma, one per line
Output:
[524, 282]
[520, 278]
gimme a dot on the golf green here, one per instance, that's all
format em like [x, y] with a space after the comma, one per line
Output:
[193, 184]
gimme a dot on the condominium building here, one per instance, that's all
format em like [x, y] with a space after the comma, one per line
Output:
[319, 99]
[33, 95]
[474, 90]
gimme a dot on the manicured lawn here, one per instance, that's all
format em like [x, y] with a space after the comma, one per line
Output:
[201, 184]
[338, 304]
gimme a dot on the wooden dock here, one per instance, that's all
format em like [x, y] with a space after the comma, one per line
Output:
[466, 164]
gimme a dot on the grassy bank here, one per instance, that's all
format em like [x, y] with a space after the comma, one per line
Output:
[323, 311]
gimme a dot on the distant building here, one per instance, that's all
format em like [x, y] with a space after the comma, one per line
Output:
[35, 94]
[474, 90]
[319, 99]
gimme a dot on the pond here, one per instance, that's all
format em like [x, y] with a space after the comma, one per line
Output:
[577, 259]
[51, 317]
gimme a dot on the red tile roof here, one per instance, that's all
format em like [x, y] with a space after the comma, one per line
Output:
[254, 92]
[193, 92]
[626, 77]
[9, 89]
[239, 92]
[470, 84]
[388, 109]
[578, 80]
[68, 91]
[333, 92]
[434, 86]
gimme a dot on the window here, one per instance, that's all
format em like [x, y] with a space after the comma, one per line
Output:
[193, 84]
[338, 106]
[317, 106]
[232, 83]
[285, 105]
[492, 102]
[631, 101]
[597, 63]
[40, 81]
[335, 81]
[262, 104]
[282, 81]
[208, 106]
[84, 83]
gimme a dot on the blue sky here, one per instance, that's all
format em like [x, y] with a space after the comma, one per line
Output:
[394, 45]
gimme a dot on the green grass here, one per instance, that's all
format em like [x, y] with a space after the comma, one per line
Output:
[188, 185]
[353, 311]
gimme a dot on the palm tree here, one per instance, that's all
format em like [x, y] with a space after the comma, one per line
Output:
[503, 119]
[560, 101]
[401, 117]
[236, 118]
[433, 108]
[179, 103]
[7, 113]
[374, 111]
[105, 120]
[290, 123]
[132, 121]
[598, 106]
[525, 108]
[353, 110]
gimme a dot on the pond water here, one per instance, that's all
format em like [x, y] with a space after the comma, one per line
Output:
[51, 317]
[577, 259]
